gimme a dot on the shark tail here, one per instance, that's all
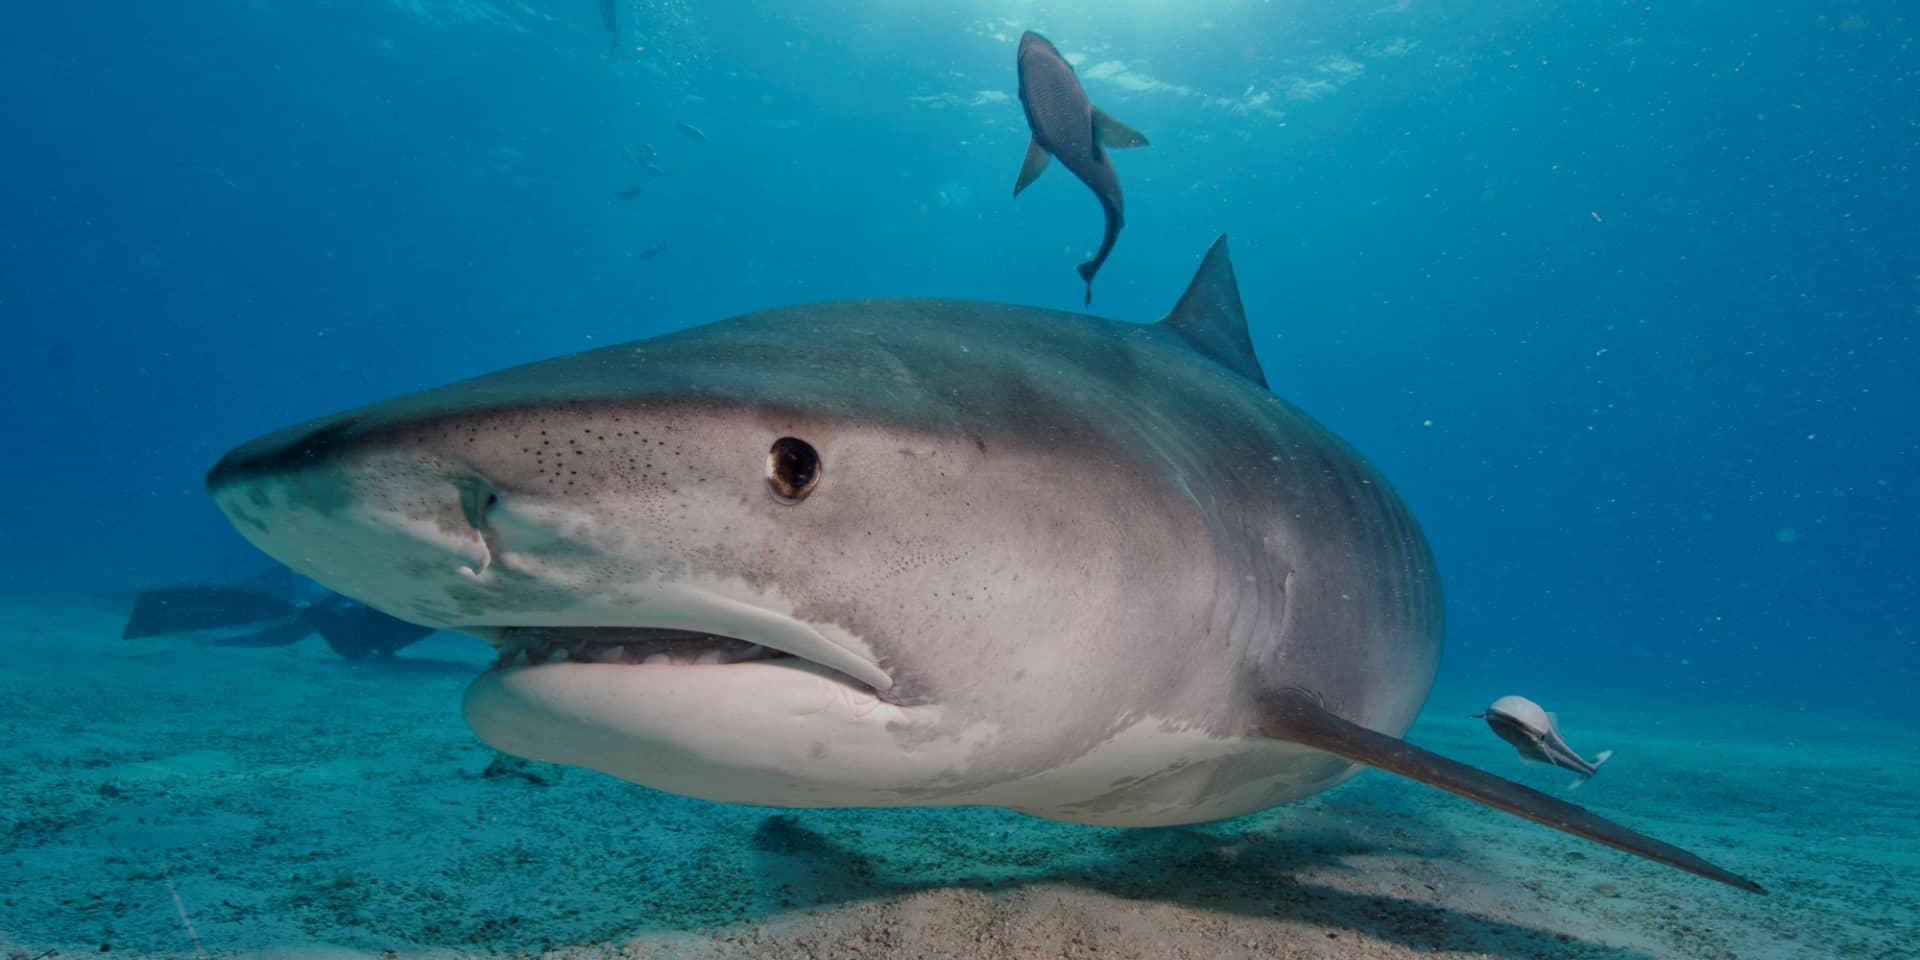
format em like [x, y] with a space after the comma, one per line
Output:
[1595, 764]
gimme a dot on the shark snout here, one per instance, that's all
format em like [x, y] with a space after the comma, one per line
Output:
[388, 522]
[306, 446]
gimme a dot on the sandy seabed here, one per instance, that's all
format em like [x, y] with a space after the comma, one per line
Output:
[169, 798]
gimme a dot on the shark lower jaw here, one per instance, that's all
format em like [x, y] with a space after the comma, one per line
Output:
[779, 732]
[649, 648]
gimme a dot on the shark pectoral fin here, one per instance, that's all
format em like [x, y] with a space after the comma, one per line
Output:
[1296, 716]
[1032, 167]
[1114, 134]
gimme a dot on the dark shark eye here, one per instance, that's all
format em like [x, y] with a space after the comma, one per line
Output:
[793, 469]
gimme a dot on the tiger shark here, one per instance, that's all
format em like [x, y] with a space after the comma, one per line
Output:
[902, 553]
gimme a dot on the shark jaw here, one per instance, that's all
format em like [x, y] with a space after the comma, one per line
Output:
[698, 628]
[702, 685]
[685, 680]
[682, 625]
[781, 731]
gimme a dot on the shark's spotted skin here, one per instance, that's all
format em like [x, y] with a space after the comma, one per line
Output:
[900, 552]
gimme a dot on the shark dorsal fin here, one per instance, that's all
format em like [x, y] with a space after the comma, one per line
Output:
[1209, 316]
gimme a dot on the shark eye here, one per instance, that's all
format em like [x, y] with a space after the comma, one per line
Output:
[793, 469]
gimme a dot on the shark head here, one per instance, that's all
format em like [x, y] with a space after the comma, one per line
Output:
[903, 553]
[820, 555]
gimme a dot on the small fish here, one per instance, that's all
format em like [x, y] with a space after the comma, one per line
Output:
[650, 252]
[693, 132]
[1067, 125]
[1536, 733]
[629, 193]
[654, 170]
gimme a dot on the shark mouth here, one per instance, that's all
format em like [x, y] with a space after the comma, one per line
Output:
[651, 646]
[692, 626]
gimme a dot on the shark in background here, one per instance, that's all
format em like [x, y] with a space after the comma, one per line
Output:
[902, 553]
[275, 609]
[1067, 125]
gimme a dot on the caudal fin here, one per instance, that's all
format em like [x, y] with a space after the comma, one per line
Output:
[1594, 764]
[1087, 270]
[1296, 716]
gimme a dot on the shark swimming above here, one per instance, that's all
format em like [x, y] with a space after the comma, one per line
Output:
[902, 553]
[611, 21]
[1067, 125]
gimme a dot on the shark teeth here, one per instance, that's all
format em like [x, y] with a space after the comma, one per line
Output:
[623, 645]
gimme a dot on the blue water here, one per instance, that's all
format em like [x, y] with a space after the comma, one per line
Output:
[1623, 298]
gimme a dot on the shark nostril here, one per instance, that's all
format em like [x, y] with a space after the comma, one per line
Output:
[477, 501]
